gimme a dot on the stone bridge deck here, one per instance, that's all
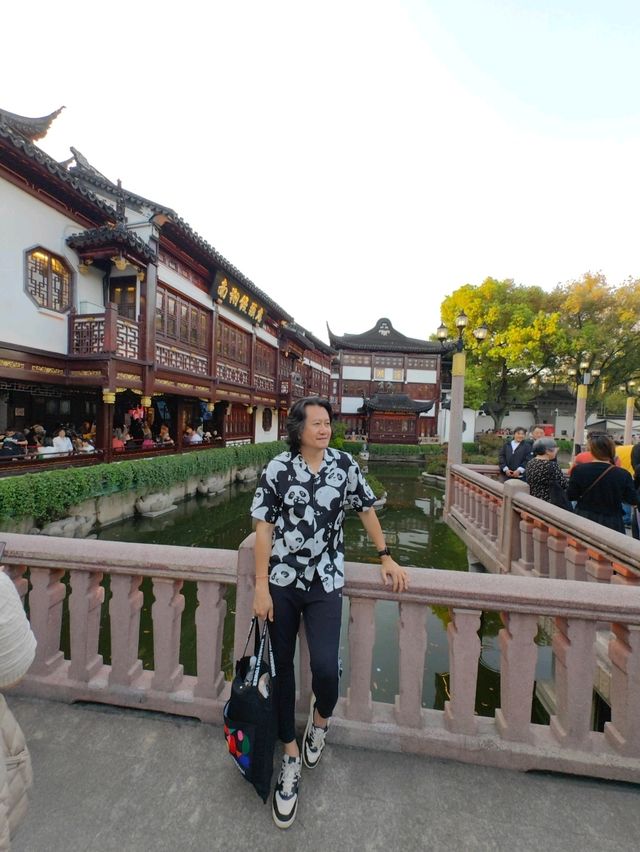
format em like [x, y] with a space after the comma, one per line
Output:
[146, 782]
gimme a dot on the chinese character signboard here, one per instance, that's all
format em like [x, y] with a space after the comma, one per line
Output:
[227, 292]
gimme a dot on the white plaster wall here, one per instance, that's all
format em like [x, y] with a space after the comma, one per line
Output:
[260, 435]
[27, 222]
[183, 285]
[427, 377]
[469, 420]
[357, 373]
[350, 404]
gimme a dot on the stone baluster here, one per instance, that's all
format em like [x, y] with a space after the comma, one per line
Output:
[598, 567]
[556, 547]
[510, 540]
[124, 616]
[486, 515]
[624, 575]
[464, 653]
[474, 507]
[493, 509]
[412, 626]
[540, 550]
[45, 609]
[526, 562]
[210, 614]
[304, 676]
[575, 558]
[574, 657]
[85, 610]
[167, 617]
[17, 572]
[362, 628]
[623, 731]
[517, 676]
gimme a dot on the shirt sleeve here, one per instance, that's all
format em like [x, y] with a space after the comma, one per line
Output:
[267, 503]
[359, 494]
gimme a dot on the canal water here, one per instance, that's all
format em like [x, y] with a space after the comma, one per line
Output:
[414, 529]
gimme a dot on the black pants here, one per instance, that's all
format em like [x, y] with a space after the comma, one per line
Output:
[322, 613]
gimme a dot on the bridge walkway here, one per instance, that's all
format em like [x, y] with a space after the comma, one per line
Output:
[146, 782]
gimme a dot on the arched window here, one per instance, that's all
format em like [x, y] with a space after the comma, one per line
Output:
[48, 280]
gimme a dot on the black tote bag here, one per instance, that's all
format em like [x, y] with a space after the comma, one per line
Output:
[250, 714]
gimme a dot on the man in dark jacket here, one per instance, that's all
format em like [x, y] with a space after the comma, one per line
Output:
[515, 454]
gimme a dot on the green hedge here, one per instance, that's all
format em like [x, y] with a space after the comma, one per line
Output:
[47, 495]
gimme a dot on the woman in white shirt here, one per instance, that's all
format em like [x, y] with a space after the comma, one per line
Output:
[62, 444]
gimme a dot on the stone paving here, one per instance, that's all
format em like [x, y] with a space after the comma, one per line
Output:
[109, 779]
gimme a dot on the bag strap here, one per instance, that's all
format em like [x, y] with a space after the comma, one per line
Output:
[596, 481]
[253, 626]
[265, 639]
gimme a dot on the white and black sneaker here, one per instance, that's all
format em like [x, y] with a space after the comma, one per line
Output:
[313, 740]
[285, 795]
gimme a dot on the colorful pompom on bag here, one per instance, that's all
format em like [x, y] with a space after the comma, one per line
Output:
[250, 714]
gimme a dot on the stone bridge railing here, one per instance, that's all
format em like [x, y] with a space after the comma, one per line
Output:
[511, 532]
[38, 566]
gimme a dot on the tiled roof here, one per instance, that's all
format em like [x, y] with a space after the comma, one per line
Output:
[383, 338]
[21, 146]
[31, 129]
[99, 237]
[305, 338]
[396, 402]
[86, 172]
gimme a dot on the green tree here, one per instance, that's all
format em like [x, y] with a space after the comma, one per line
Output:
[600, 329]
[522, 343]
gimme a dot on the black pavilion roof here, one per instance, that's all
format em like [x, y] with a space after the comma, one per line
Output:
[95, 238]
[31, 129]
[383, 337]
[396, 402]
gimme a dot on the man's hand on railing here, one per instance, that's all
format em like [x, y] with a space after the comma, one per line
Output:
[392, 572]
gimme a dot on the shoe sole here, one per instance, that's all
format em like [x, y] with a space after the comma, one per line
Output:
[304, 739]
[281, 823]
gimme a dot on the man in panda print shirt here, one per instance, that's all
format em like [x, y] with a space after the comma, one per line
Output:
[299, 507]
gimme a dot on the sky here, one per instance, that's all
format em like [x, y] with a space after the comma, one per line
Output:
[356, 160]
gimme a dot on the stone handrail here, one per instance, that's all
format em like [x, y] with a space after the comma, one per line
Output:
[509, 531]
[509, 739]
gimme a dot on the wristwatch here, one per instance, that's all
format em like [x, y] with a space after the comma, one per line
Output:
[384, 552]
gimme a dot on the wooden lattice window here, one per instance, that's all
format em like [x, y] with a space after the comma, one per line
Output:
[48, 280]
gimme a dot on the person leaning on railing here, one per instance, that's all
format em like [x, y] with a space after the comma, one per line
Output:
[600, 487]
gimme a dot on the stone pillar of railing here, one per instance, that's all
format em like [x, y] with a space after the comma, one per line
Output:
[210, 614]
[556, 547]
[598, 567]
[412, 626]
[540, 550]
[166, 612]
[464, 653]
[623, 731]
[517, 676]
[245, 589]
[362, 629]
[85, 609]
[124, 616]
[45, 613]
[525, 564]
[575, 559]
[575, 663]
[17, 572]
[494, 512]
[510, 537]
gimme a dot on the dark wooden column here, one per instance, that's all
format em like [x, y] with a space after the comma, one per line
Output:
[104, 428]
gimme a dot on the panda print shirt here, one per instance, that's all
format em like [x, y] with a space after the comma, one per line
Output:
[307, 511]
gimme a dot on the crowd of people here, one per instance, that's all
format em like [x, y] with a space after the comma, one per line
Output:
[602, 483]
[35, 441]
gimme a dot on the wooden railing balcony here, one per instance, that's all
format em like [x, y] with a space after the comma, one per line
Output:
[40, 567]
[181, 358]
[108, 333]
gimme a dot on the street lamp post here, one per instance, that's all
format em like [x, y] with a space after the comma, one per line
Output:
[456, 411]
[581, 401]
[630, 410]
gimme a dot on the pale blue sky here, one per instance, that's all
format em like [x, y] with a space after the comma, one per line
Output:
[356, 159]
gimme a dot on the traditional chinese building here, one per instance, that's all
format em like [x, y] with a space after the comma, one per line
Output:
[386, 385]
[112, 304]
